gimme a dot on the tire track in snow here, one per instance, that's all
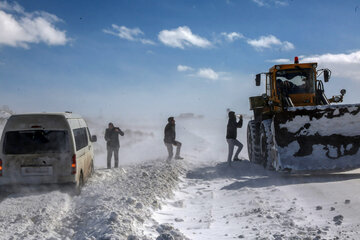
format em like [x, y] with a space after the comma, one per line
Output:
[34, 215]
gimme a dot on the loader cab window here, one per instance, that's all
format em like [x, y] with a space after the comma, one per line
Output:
[268, 84]
[295, 81]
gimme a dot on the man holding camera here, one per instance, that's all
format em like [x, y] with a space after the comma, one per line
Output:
[112, 143]
[231, 135]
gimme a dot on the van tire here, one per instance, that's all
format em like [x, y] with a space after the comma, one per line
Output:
[92, 170]
[80, 184]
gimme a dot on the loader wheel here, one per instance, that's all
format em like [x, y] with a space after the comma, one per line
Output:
[253, 142]
[266, 143]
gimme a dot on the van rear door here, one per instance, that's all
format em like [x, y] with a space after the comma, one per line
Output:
[35, 152]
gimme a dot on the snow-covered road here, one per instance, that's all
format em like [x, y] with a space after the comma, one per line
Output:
[248, 202]
[198, 198]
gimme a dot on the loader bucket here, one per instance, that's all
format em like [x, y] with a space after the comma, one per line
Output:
[317, 138]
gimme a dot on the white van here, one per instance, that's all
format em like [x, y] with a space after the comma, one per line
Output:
[45, 148]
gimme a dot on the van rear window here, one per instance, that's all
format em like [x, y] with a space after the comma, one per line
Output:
[36, 141]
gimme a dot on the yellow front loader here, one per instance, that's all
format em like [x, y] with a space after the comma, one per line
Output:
[297, 128]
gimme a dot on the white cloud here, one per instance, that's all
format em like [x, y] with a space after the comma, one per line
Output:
[269, 3]
[124, 32]
[183, 68]
[133, 34]
[353, 57]
[207, 73]
[342, 65]
[287, 46]
[260, 3]
[15, 7]
[182, 37]
[280, 60]
[19, 28]
[281, 3]
[269, 42]
[232, 36]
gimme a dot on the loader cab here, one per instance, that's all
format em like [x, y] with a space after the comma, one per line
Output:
[294, 83]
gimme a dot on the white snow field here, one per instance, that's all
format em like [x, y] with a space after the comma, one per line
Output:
[199, 197]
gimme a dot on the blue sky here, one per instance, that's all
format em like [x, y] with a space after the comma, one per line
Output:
[158, 58]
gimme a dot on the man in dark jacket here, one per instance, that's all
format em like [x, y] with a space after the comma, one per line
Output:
[231, 135]
[169, 139]
[112, 143]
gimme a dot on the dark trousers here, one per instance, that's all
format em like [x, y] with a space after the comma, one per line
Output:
[110, 151]
[169, 147]
[232, 143]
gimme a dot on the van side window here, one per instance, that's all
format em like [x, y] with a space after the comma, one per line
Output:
[81, 139]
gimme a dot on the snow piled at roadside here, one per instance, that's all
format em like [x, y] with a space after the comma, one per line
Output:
[112, 205]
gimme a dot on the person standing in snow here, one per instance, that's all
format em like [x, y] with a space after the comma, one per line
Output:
[169, 139]
[231, 135]
[112, 143]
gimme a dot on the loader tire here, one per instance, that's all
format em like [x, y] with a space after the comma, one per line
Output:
[266, 144]
[253, 142]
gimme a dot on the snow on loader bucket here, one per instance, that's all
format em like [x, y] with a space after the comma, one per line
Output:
[315, 138]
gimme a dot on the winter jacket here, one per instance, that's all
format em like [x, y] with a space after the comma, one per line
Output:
[169, 133]
[232, 127]
[112, 137]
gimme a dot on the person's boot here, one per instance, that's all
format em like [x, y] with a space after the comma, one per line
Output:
[178, 158]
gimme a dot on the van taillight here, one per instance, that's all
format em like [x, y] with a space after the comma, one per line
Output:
[73, 164]
[1, 167]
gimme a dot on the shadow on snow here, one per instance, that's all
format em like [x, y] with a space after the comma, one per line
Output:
[247, 174]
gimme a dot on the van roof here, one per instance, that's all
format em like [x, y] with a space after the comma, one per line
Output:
[65, 114]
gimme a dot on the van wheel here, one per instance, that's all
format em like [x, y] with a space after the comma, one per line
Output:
[80, 184]
[92, 170]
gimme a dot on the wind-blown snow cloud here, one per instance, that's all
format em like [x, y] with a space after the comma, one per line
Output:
[268, 3]
[182, 37]
[19, 28]
[270, 41]
[232, 36]
[123, 32]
